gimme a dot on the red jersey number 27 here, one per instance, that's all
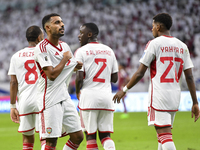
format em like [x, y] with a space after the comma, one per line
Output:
[30, 71]
[97, 61]
[171, 60]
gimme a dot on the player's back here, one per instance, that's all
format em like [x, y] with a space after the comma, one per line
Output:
[23, 66]
[171, 58]
[99, 63]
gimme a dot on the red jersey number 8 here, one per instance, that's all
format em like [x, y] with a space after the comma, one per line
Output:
[30, 71]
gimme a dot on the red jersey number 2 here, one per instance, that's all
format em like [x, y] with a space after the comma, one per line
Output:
[30, 71]
[163, 78]
[97, 60]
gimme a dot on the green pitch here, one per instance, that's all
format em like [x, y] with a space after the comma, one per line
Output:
[130, 133]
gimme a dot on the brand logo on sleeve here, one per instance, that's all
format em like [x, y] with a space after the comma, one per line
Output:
[45, 58]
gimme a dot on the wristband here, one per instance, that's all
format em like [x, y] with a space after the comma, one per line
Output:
[12, 105]
[125, 89]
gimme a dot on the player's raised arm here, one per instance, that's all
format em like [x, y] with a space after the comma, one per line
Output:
[53, 73]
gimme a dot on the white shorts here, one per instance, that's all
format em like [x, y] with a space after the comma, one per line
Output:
[59, 119]
[93, 120]
[160, 118]
[29, 123]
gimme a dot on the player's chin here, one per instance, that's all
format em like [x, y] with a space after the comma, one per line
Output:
[62, 34]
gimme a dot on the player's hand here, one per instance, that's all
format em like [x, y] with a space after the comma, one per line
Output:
[67, 55]
[118, 96]
[78, 66]
[78, 95]
[195, 112]
[14, 115]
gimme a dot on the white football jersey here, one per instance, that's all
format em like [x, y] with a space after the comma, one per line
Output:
[167, 57]
[23, 65]
[52, 92]
[99, 62]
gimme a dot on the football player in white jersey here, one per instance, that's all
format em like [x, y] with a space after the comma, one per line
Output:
[24, 79]
[166, 57]
[99, 69]
[56, 64]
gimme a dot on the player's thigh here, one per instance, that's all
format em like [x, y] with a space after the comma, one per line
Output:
[89, 118]
[50, 121]
[105, 121]
[161, 118]
[71, 120]
[27, 123]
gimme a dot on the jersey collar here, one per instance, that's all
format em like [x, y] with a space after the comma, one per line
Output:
[60, 49]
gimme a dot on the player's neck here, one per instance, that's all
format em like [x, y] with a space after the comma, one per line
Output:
[167, 33]
[54, 41]
[32, 44]
[92, 40]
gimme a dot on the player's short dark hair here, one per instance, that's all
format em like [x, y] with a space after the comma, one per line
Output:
[32, 33]
[47, 18]
[165, 19]
[92, 27]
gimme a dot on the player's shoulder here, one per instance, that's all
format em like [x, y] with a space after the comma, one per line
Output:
[41, 46]
[19, 51]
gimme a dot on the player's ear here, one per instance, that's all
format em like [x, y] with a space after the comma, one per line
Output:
[159, 27]
[47, 27]
[90, 34]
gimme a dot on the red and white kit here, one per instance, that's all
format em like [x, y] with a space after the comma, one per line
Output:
[23, 65]
[53, 96]
[99, 62]
[53, 92]
[167, 57]
[96, 104]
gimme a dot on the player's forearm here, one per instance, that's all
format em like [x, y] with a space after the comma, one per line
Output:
[192, 89]
[134, 80]
[53, 73]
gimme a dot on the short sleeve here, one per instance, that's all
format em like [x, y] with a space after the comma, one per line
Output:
[115, 64]
[148, 55]
[187, 62]
[42, 58]
[11, 70]
[79, 57]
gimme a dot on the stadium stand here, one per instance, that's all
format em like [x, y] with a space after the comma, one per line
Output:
[125, 26]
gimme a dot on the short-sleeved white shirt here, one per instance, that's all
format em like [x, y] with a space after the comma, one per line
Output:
[52, 92]
[23, 65]
[99, 62]
[166, 58]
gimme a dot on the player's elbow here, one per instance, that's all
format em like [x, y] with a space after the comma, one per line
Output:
[114, 77]
[139, 75]
[52, 77]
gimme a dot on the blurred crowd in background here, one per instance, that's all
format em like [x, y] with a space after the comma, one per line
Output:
[125, 26]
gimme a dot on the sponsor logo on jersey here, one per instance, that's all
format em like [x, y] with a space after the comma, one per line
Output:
[56, 53]
[49, 130]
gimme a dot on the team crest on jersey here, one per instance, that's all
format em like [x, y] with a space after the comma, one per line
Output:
[49, 130]
[45, 58]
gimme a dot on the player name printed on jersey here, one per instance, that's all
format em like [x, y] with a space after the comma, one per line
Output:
[26, 54]
[98, 52]
[171, 49]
